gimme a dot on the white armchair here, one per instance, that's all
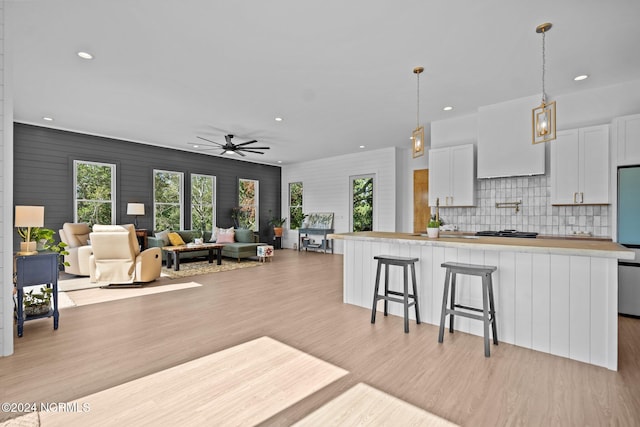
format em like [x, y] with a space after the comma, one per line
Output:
[76, 236]
[117, 258]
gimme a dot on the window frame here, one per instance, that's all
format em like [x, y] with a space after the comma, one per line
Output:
[181, 203]
[301, 205]
[214, 194]
[113, 200]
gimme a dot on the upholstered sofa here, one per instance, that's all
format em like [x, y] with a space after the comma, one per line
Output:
[243, 246]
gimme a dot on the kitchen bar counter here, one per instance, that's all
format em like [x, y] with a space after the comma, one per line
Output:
[559, 296]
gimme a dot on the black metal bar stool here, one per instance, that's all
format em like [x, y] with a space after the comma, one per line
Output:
[404, 262]
[488, 309]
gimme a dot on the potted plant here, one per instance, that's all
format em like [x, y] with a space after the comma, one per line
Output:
[433, 228]
[277, 224]
[37, 303]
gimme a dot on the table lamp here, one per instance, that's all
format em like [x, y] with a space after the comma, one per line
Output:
[29, 216]
[135, 209]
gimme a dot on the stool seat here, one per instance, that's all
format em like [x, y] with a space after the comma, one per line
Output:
[403, 262]
[488, 309]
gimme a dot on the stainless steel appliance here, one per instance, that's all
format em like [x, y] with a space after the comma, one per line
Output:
[629, 236]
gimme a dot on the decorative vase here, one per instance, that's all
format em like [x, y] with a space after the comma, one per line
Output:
[277, 231]
[433, 232]
[36, 310]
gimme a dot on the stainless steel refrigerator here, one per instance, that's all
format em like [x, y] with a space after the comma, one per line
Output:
[629, 236]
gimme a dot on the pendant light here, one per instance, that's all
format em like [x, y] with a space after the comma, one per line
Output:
[544, 116]
[417, 136]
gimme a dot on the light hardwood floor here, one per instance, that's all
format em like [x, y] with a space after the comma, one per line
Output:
[297, 300]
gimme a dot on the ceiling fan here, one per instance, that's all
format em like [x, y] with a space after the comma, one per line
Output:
[230, 147]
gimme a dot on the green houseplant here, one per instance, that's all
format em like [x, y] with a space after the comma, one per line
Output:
[277, 224]
[46, 242]
[36, 303]
[433, 227]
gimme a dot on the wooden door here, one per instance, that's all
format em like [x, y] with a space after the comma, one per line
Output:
[421, 209]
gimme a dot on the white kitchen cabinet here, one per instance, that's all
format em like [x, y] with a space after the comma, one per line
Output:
[580, 167]
[627, 133]
[452, 176]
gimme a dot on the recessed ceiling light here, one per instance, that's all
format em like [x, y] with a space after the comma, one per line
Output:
[448, 108]
[278, 119]
[49, 119]
[362, 146]
[196, 146]
[581, 77]
[85, 55]
[279, 161]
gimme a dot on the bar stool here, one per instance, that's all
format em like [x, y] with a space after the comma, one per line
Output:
[404, 262]
[488, 309]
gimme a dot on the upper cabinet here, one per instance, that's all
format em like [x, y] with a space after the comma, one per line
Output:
[504, 140]
[452, 176]
[580, 166]
[627, 135]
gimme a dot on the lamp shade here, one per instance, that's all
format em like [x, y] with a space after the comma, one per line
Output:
[29, 216]
[135, 208]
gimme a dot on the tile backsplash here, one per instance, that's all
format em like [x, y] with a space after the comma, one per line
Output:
[535, 214]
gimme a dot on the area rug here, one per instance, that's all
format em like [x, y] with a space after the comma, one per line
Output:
[240, 386]
[188, 269]
[363, 405]
[96, 295]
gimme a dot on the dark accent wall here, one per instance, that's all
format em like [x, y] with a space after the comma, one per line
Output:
[43, 176]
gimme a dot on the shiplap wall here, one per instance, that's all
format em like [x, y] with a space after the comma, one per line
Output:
[564, 305]
[43, 160]
[326, 186]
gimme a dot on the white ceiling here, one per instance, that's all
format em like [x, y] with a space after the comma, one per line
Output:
[338, 71]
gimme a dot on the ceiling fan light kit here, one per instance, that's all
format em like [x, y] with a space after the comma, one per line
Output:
[241, 148]
[544, 116]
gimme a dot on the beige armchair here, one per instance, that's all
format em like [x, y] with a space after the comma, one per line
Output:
[117, 258]
[76, 236]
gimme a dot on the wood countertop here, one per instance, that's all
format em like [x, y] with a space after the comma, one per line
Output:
[559, 246]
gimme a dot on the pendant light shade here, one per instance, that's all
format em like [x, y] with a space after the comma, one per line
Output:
[544, 116]
[417, 137]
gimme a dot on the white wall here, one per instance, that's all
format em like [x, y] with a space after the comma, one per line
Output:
[326, 187]
[6, 203]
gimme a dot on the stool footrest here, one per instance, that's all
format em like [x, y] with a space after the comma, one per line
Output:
[464, 314]
[479, 310]
[379, 297]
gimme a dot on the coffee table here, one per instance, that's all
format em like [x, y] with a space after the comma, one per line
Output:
[173, 252]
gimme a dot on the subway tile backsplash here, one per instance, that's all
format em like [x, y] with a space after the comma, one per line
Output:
[535, 214]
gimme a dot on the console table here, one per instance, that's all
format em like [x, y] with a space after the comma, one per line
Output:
[36, 270]
[304, 242]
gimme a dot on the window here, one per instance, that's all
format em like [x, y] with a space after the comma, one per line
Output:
[362, 203]
[248, 201]
[94, 198]
[203, 199]
[167, 200]
[295, 205]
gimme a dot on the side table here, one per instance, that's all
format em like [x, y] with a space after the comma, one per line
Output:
[142, 234]
[36, 270]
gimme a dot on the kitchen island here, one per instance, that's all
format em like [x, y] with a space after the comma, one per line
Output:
[557, 296]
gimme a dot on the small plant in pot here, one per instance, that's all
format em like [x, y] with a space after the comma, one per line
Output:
[277, 224]
[433, 228]
[37, 303]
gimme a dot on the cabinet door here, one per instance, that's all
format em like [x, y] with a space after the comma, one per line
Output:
[462, 176]
[628, 130]
[594, 162]
[439, 170]
[564, 168]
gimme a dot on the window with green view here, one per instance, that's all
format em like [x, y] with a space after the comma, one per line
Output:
[94, 196]
[203, 199]
[168, 188]
[248, 202]
[295, 205]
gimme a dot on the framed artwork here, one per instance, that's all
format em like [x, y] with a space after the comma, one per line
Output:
[418, 142]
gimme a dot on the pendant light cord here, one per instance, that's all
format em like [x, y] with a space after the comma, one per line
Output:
[418, 103]
[544, 95]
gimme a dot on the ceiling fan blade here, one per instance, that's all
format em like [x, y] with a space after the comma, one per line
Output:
[245, 143]
[256, 148]
[208, 140]
[241, 153]
[250, 151]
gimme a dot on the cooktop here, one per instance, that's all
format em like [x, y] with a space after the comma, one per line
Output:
[508, 233]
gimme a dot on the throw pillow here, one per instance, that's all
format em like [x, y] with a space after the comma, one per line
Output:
[214, 234]
[226, 236]
[244, 235]
[175, 239]
[164, 235]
